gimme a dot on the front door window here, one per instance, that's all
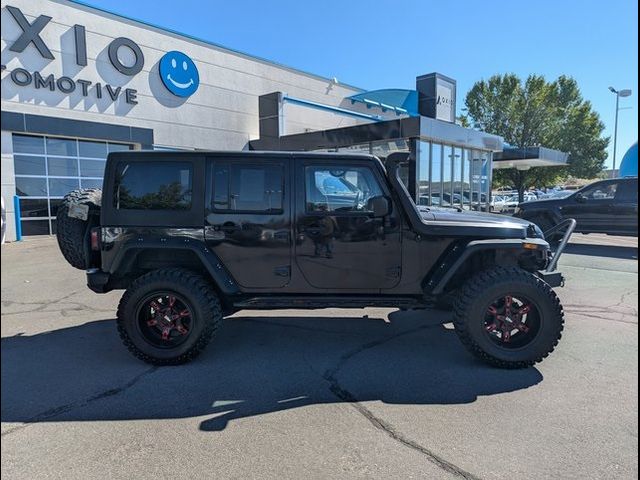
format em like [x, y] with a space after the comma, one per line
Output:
[340, 190]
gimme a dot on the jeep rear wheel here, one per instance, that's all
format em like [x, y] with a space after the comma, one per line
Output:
[508, 317]
[167, 317]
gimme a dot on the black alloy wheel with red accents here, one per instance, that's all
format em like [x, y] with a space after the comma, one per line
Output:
[512, 322]
[168, 316]
[165, 319]
[508, 317]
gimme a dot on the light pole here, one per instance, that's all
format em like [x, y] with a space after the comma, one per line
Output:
[618, 94]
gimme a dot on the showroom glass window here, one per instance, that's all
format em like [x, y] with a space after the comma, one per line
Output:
[47, 168]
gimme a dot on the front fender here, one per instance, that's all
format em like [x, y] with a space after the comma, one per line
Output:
[452, 261]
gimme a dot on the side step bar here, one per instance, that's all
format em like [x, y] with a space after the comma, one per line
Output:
[313, 302]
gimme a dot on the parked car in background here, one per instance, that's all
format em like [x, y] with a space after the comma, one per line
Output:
[511, 203]
[496, 204]
[607, 206]
[556, 194]
[433, 200]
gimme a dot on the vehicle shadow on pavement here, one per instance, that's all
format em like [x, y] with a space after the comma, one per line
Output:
[255, 366]
[611, 251]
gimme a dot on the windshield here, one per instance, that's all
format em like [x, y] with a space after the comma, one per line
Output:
[562, 194]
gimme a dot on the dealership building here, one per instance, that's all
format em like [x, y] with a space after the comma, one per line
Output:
[79, 82]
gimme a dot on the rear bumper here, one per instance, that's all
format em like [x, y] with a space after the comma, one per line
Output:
[98, 281]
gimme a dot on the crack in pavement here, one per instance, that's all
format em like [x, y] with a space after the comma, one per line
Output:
[591, 315]
[56, 411]
[345, 395]
[598, 268]
[605, 312]
[42, 306]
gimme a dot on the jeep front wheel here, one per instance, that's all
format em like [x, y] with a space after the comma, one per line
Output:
[508, 317]
[167, 317]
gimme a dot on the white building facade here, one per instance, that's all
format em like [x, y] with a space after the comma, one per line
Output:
[78, 82]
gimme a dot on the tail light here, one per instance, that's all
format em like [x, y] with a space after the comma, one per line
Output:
[95, 239]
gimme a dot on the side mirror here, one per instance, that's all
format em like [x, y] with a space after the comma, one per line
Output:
[380, 206]
[580, 198]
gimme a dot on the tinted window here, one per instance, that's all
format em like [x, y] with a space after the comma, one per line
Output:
[341, 189]
[28, 144]
[153, 186]
[118, 147]
[35, 227]
[54, 206]
[31, 187]
[28, 165]
[59, 187]
[91, 168]
[34, 208]
[92, 149]
[247, 188]
[63, 167]
[62, 146]
[600, 191]
[90, 183]
[628, 191]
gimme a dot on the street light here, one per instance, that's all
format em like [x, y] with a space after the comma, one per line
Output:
[618, 93]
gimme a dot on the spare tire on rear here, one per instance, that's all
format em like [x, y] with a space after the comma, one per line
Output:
[73, 232]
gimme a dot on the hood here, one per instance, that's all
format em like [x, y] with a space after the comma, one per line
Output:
[467, 216]
[480, 222]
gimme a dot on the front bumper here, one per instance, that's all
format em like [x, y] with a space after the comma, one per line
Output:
[553, 279]
[550, 275]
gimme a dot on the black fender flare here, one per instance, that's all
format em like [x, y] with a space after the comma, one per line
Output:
[435, 282]
[222, 279]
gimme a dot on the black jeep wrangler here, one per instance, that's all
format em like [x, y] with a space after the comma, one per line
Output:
[195, 236]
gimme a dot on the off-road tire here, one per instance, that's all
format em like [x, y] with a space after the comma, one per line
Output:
[474, 300]
[190, 286]
[72, 233]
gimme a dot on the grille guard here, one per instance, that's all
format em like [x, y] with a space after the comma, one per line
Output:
[568, 226]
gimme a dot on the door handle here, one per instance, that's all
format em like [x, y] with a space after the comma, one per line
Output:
[229, 227]
[312, 230]
[281, 235]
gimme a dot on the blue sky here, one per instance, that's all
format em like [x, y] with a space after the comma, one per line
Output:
[381, 44]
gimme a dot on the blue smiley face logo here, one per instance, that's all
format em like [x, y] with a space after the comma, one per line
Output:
[179, 74]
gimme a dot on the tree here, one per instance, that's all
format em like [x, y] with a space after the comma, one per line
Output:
[539, 113]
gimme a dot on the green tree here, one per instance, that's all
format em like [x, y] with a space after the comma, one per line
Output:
[539, 113]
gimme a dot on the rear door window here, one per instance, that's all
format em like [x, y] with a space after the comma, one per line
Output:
[247, 188]
[628, 192]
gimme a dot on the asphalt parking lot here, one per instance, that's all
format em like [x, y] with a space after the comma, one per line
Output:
[317, 394]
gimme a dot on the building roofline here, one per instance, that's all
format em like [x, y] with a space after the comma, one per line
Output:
[207, 43]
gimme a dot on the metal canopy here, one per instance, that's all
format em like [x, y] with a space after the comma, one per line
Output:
[401, 101]
[526, 158]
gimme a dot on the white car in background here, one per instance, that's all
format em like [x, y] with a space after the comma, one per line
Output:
[497, 202]
[509, 205]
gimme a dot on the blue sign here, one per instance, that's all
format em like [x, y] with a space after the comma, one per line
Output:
[179, 74]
